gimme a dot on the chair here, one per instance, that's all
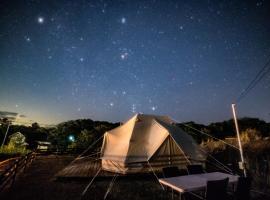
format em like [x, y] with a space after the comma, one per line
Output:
[195, 169]
[173, 171]
[217, 190]
[243, 188]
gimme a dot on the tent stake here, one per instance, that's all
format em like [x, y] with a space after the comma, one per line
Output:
[242, 163]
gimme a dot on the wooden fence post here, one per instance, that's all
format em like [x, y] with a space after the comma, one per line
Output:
[14, 172]
[25, 162]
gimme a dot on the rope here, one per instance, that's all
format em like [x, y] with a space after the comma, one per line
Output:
[87, 187]
[225, 167]
[211, 136]
[91, 155]
[80, 156]
[155, 175]
[91, 146]
[255, 81]
[220, 167]
[110, 186]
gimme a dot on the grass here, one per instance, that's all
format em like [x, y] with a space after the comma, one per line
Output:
[9, 152]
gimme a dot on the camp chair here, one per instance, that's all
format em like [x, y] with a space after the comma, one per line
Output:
[173, 171]
[243, 188]
[195, 169]
[217, 189]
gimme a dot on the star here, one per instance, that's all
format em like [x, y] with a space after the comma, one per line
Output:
[123, 20]
[40, 20]
[111, 104]
[153, 108]
[27, 39]
[124, 56]
[81, 59]
[133, 108]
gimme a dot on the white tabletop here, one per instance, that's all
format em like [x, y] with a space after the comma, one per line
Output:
[195, 182]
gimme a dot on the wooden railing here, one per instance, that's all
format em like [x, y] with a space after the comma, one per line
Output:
[60, 151]
[8, 176]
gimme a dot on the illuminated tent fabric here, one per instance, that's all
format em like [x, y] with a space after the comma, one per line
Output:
[145, 143]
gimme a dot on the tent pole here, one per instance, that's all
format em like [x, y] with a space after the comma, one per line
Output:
[242, 163]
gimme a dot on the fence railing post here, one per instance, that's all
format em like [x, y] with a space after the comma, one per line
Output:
[8, 177]
[15, 167]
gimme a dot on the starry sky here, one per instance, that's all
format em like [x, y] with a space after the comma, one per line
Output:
[106, 60]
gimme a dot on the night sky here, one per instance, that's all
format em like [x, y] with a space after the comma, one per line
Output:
[107, 60]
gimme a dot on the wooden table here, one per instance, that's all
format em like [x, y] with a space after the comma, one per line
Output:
[195, 182]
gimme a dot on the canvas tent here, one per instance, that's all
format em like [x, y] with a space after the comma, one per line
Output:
[145, 143]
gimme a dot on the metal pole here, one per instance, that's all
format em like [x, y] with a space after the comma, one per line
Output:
[242, 166]
[5, 135]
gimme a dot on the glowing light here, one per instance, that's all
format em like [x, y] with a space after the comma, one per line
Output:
[28, 39]
[124, 56]
[71, 138]
[40, 20]
[123, 20]
[133, 108]
[153, 108]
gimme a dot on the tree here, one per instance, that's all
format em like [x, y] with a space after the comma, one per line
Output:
[85, 138]
[17, 140]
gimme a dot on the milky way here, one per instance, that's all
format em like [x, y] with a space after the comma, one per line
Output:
[107, 60]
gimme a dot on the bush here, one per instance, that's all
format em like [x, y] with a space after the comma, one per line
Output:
[9, 150]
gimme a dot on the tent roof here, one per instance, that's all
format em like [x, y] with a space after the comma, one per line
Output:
[139, 138]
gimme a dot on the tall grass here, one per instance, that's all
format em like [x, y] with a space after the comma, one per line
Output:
[8, 150]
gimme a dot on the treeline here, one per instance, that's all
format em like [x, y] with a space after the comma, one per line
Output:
[74, 133]
[226, 128]
[82, 132]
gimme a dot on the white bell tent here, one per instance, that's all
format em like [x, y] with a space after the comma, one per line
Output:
[145, 143]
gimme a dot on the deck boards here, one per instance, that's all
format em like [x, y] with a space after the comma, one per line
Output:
[83, 168]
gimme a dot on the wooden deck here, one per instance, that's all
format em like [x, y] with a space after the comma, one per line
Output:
[84, 167]
[87, 167]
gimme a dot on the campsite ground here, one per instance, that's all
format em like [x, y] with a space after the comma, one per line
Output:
[38, 183]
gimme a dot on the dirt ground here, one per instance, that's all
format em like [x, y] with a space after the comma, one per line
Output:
[38, 183]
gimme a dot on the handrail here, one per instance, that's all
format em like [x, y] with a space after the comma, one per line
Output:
[7, 178]
[7, 160]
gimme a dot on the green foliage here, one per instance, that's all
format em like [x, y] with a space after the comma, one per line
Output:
[85, 138]
[7, 150]
[221, 130]
[85, 131]
[17, 141]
